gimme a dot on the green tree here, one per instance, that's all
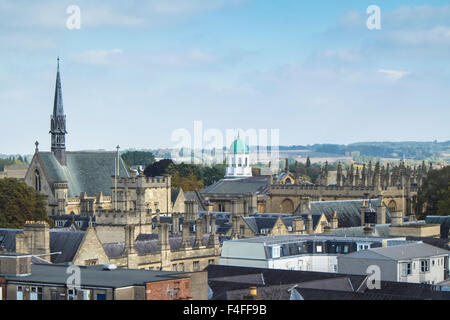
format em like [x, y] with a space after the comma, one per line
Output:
[213, 174]
[433, 197]
[138, 158]
[20, 203]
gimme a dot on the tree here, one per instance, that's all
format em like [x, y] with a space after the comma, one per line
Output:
[187, 183]
[138, 158]
[433, 197]
[158, 168]
[20, 203]
[213, 174]
[308, 162]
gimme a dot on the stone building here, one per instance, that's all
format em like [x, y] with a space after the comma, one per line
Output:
[79, 181]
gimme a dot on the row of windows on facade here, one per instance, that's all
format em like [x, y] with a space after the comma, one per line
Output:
[408, 267]
[37, 293]
[195, 265]
[278, 251]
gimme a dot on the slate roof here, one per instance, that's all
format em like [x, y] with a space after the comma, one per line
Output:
[68, 219]
[196, 196]
[94, 276]
[66, 242]
[230, 282]
[237, 186]
[174, 195]
[63, 241]
[8, 239]
[86, 171]
[348, 211]
[146, 244]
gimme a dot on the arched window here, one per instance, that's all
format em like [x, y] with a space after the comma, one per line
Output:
[392, 206]
[37, 180]
[287, 206]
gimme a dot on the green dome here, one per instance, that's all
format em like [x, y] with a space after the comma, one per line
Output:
[238, 147]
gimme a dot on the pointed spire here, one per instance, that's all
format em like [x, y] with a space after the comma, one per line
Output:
[58, 108]
[58, 122]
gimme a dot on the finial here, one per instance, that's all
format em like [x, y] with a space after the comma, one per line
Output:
[37, 146]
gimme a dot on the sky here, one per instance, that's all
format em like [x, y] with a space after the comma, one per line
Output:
[137, 71]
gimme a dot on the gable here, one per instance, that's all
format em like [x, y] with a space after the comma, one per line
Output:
[88, 172]
[90, 249]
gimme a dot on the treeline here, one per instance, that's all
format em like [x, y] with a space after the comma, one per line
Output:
[189, 177]
[411, 150]
[433, 197]
[12, 160]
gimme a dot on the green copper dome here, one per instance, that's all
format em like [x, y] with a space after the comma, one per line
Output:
[238, 147]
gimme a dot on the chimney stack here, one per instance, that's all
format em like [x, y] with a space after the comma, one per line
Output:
[381, 214]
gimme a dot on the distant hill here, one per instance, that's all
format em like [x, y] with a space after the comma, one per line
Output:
[408, 149]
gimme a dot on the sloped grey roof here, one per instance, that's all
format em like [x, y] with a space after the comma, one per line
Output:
[315, 218]
[148, 245]
[8, 239]
[348, 211]
[86, 171]
[196, 196]
[66, 242]
[399, 252]
[237, 186]
[380, 230]
[94, 276]
[174, 194]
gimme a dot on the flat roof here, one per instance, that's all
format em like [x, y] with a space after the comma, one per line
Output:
[271, 240]
[94, 276]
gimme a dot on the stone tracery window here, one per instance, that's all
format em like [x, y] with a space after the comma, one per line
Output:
[37, 180]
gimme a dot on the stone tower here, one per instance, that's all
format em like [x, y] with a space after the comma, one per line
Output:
[58, 124]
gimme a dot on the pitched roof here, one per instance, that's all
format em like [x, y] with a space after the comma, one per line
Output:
[348, 211]
[231, 282]
[237, 186]
[145, 244]
[66, 242]
[86, 171]
[8, 239]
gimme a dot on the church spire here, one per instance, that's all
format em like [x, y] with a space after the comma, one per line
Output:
[58, 123]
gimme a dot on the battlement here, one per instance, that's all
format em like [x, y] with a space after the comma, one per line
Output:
[142, 182]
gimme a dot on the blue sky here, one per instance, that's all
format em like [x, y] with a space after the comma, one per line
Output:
[138, 70]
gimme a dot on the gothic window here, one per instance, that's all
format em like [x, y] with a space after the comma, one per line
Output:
[392, 206]
[37, 180]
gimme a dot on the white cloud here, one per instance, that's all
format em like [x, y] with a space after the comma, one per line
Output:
[393, 74]
[96, 57]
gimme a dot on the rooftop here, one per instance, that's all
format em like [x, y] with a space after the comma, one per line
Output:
[94, 276]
